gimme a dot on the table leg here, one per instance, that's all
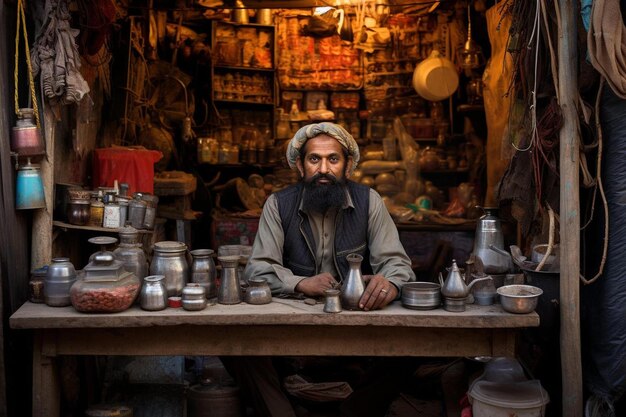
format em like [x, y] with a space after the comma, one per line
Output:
[46, 392]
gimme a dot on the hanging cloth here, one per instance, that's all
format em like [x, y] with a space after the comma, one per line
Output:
[606, 41]
[55, 56]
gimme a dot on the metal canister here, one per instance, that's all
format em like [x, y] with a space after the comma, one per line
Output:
[111, 216]
[60, 277]
[194, 297]
[29, 193]
[26, 137]
[151, 207]
[96, 211]
[123, 203]
[169, 259]
[137, 211]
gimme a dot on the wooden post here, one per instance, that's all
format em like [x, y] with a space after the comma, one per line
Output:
[571, 367]
[41, 246]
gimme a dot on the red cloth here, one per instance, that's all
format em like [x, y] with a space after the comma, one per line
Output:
[134, 166]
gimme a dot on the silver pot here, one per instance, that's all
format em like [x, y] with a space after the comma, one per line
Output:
[60, 277]
[421, 295]
[194, 297]
[170, 261]
[153, 295]
[258, 291]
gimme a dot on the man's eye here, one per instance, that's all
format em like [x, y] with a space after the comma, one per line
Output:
[314, 159]
[334, 159]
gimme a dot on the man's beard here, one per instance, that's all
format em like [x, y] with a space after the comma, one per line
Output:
[320, 197]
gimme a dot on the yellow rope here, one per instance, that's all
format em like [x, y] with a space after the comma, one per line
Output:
[21, 21]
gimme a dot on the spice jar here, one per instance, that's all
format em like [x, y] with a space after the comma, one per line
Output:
[36, 283]
[60, 277]
[96, 210]
[106, 286]
[78, 212]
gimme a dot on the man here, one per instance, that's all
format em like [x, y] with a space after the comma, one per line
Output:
[304, 235]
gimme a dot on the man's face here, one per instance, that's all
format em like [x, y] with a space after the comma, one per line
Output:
[324, 169]
[323, 160]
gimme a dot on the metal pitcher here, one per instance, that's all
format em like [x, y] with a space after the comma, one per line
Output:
[29, 188]
[170, 260]
[353, 286]
[489, 232]
[230, 288]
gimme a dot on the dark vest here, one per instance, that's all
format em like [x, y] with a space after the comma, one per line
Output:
[350, 231]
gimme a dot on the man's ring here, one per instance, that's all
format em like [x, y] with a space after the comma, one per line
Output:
[384, 290]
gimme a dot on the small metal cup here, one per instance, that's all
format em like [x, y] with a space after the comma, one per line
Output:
[332, 303]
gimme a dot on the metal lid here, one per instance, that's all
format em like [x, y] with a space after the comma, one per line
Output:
[128, 231]
[102, 240]
[104, 267]
[202, 252]
[169, 246]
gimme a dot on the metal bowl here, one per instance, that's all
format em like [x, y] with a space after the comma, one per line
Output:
[421, 295]
[519, 299]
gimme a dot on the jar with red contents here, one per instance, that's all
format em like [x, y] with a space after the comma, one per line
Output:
[105, 286]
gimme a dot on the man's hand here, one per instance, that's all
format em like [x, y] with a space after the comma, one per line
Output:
[378, 293]
[316, 285]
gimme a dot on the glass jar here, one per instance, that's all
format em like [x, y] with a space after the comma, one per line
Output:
[130, 252]
[60, 277]
[78, 212]
[106, 287]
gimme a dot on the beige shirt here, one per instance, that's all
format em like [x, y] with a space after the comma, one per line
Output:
[387, 256]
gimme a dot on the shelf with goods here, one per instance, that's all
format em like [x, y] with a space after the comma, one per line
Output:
[243, 73]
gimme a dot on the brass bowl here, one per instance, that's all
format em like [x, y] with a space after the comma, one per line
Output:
[519, 299]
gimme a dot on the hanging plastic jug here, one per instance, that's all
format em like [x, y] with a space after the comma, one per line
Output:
[29, 188]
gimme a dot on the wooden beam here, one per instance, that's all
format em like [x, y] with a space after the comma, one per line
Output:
[571, 367]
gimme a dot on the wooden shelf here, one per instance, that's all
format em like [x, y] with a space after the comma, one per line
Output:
[237, 68]
[66, 226]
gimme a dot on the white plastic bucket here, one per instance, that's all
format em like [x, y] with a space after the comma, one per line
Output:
[519, 399]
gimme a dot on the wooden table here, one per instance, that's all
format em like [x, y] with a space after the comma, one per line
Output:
[284, 327]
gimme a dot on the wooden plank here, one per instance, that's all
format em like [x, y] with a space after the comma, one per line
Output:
[569, 140]
[279, 312]
[46, 392]
[277, 340]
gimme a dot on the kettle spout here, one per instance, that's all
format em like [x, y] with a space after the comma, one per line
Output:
[478, 279]
[441, 280]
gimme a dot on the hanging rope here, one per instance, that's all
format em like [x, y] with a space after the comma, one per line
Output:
[599, 186]
[21, 22]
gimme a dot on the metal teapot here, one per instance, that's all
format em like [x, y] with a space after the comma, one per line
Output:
[455, 290]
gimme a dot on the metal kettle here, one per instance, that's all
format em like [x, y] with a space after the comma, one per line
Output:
[489, 232]
[455, 290]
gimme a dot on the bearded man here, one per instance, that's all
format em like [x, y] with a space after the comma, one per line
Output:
[304, 235]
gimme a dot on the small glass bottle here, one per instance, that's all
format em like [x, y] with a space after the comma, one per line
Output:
[96, 210]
